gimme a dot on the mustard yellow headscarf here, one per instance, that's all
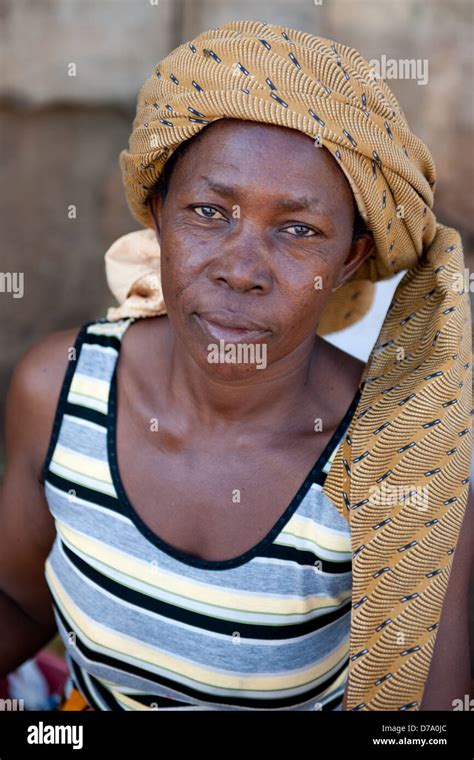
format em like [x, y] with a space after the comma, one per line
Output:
[401, 476]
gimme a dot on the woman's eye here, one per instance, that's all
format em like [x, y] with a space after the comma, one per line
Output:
[302, 227]
[209, 208]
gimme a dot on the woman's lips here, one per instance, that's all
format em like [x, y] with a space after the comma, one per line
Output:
[230, 334]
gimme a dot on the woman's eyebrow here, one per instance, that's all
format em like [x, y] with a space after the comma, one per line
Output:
[289, 204]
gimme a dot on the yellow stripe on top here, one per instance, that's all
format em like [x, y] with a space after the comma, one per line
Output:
[190, 589]
[128, 647]
[89, 391]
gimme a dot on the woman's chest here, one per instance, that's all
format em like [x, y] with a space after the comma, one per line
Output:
[212, 503]
[216, 495]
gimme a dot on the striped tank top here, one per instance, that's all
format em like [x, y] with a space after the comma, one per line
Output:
[146, 626]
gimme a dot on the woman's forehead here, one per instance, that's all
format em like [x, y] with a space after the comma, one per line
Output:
[241, 130]
[243, 151]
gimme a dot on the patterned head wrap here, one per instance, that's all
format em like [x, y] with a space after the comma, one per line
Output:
[401, 475]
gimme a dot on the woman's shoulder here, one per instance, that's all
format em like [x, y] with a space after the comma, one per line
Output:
[40, 370]
[35, 386]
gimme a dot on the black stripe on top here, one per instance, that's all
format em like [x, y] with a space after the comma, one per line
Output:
[195, 619]
[166, 683]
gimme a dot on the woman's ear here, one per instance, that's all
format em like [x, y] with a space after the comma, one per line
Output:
[359, 252]
[154, 204]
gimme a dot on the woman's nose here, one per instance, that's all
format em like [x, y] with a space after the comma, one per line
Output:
[243, 262]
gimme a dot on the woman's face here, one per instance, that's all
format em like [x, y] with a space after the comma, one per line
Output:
[255, 231]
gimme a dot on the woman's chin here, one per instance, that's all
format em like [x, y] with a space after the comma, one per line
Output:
[233, 361]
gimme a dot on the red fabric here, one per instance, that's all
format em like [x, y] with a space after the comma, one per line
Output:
[54, 670]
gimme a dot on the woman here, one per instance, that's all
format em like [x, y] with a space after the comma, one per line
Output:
[197, 575]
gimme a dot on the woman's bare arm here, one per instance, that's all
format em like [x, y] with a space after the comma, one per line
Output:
[27, 527]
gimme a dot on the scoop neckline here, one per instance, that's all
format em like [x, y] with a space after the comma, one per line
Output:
[181, 556]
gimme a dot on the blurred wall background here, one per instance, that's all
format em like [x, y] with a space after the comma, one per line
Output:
[61, 135]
